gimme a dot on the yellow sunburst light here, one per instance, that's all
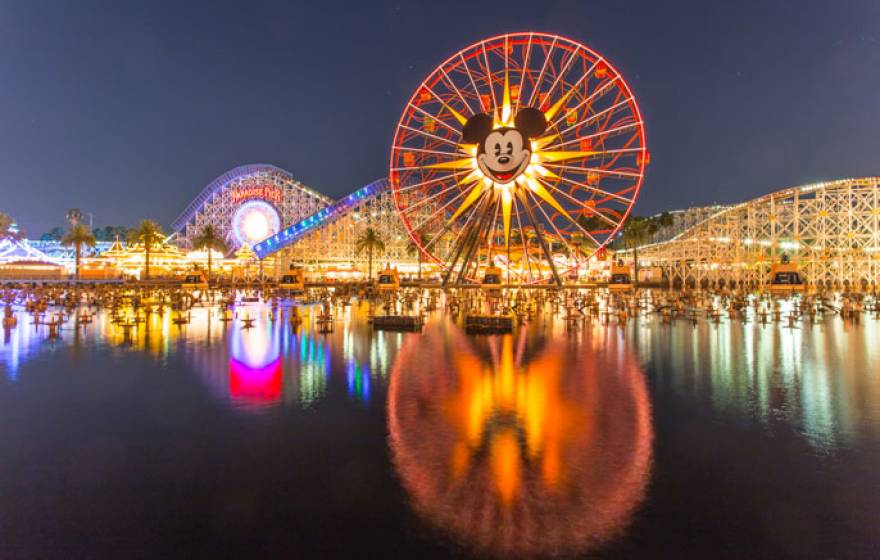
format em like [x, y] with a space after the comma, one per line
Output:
[529, 180]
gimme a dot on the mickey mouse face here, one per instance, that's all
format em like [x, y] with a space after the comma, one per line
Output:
[503, 154]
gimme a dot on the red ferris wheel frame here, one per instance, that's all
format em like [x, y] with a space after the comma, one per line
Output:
[449, 108]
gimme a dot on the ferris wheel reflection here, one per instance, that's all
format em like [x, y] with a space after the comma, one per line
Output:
[514, 451]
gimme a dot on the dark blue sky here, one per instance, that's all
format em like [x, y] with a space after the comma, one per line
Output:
[127, 109]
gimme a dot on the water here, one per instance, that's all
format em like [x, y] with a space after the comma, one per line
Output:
[650, 440]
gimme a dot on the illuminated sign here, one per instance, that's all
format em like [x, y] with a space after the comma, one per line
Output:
[262, 192]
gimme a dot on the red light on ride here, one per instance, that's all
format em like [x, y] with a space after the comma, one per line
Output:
[409, 159]
[486, 102]
[514, 93]
[643, 158]
[543, 101]
[601, 71]
[586, 144]
[424, 96]
[571, 117]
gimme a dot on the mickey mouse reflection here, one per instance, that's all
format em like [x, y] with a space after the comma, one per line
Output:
[514, 451]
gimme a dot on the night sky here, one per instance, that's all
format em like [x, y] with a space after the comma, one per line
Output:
[128, 109]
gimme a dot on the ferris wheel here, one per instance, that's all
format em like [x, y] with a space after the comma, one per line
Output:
[525, 151]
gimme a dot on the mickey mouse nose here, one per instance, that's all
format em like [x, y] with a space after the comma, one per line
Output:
[503, 159]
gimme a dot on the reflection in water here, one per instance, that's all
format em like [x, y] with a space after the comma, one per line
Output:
[255, 364]
[819, 380]
[515, 449]
[270, 364]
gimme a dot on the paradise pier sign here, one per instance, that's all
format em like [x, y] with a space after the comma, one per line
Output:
[269, 193]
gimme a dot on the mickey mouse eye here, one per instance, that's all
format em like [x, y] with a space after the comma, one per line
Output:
[497, 149]
[510, 148]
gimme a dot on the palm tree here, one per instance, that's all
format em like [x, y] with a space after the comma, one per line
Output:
[370, 241]
[413, 248]
[74, 216]
[149, 233]
[78, 236]
[7, 228]
[209, 240]
[636, 232]
[592, 223]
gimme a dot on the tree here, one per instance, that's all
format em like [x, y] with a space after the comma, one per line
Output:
[74, 216]
[149, 233]
[413, 248]
[209, 240]
[636, 232]
[593, 223]
[7, 228]
[664, 220]
[54, 234]
[370, 241]
[78, 236]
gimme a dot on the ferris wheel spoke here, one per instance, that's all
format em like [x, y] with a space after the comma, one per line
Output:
[455, 114]
[537, 228]
[438, 120]
[580, 205]
[428, 182]
[427, 200]
[599, 170]
[489, 78]
[540, 79]
[441, 209]
[470, 76]
[433, 152]
[525, 69]
[491, 236]
[549, 221]
[587, 100]
[457, 91]
[596, 116]
[571, 58]
[600, 134]
[423, 133]
[607, 194]
[522, 233]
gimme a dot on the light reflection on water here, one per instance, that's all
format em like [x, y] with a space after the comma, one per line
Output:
[822, 380]
[270, 364]
[517, 446]
[540, 441]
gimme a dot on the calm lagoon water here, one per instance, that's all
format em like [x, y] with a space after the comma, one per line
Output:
[734, 440]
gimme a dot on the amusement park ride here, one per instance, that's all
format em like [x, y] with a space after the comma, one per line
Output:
[526, 150]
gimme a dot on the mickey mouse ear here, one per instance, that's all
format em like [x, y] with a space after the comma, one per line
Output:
[476, 129]
[530, 122]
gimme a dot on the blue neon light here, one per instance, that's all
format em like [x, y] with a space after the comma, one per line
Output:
[293, 233]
